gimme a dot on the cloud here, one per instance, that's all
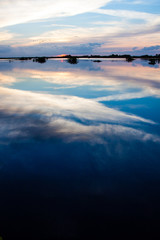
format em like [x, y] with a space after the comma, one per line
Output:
[128, 40]
[118, 76]
[144, 27]
[5, 36]
[115, 77]
[79, 35]
[7, 79]
[4, 49]
[21, 11]
[49, 49]
[150, 50]
[145, 33]
[157, 47]
[29, 126]
[128, 96]
[130, 2]
[128, 14]
[17, 101]
[27, 115]
[110, 33]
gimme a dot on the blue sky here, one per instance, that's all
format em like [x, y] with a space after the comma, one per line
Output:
[49, 27]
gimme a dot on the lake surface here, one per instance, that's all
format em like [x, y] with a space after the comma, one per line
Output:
[79, 150]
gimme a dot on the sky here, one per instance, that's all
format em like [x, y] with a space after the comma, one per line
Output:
[77, 27]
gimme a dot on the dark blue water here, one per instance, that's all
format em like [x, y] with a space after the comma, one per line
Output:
[79, 150]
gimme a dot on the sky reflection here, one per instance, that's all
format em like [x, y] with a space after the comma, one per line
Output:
[77, 100]
[77, 141]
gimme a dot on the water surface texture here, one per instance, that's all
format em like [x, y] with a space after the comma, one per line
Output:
[79, 149]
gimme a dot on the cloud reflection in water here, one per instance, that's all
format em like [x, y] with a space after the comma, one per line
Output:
[76, 116]
[66, 157]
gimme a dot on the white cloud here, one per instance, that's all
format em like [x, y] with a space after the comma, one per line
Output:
[115, 77]
[21, 11]
[55, 114]
[116, 33]
[126, 96]
[74, 35]
[128, 14]
[5, 36]
[7, 79]
[22, 102]
[122, 33]
[132, 1]
[70, 130]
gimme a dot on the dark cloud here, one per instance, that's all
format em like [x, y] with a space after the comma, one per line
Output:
[82, 48]
[152, 50]
[134, 48]
[49, 49]
[5, 49]
[157, 47]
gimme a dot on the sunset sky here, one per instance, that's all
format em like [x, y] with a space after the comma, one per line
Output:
[49, 27]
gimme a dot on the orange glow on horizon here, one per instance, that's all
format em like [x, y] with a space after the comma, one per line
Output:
[62, 55]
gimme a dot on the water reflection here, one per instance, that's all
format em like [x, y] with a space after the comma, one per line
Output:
[111, 76]
[80, 148]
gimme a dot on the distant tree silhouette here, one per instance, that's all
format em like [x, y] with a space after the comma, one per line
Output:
[25, 58]
[97, 61]
[152, 61]
[129, 58]
[40, 59]
[72, 60]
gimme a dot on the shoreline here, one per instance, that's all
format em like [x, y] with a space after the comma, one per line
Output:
[145, 57]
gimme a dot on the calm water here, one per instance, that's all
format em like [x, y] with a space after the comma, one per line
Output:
[79, 150]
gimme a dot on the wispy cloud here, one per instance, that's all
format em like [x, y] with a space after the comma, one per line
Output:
[7, 79]
[21, 11]
[128, 96]
[74, 35]
[128, 14]
[112, 28]
[117, 78]
[17, 101]
[56, 118]
[134, 2]
[111, 33]
[5, 36]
